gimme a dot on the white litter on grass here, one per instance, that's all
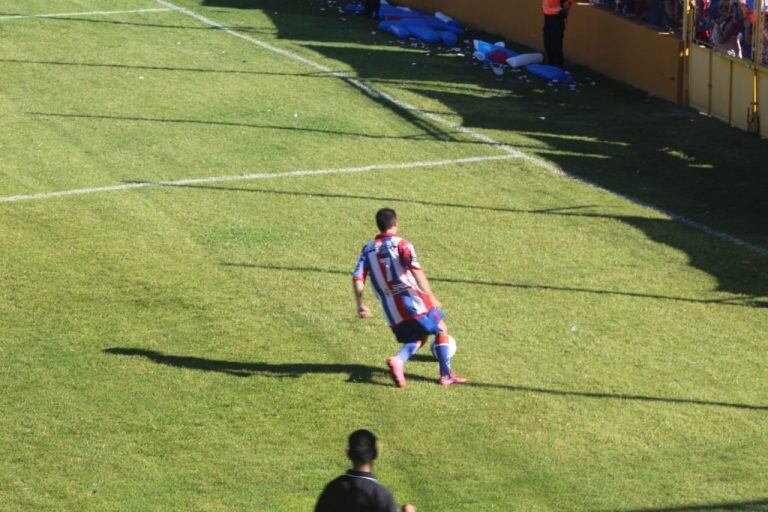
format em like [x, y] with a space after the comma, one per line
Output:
[543, 118]
[575, 329]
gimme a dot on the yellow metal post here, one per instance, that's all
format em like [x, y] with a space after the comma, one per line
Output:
[688, 32]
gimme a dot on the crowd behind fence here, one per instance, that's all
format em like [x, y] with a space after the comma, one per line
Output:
[726, 26]
[664, 14]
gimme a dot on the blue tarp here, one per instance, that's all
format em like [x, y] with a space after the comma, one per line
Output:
[552, 73]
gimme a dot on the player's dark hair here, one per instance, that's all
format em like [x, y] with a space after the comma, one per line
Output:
[385, 218]
[362, 447]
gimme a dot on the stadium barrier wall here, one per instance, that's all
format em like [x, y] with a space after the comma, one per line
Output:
[762, 94]
[731, 89]
[611, 44]
[722, 86]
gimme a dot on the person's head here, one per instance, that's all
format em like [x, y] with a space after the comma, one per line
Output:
[723, 9]
[362, 447]
[386, 219]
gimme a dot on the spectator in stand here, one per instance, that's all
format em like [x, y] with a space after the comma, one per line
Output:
[701, 22]
[726, 29]
[655, 13]
[765, 38]
[372, 8]
[747, 13]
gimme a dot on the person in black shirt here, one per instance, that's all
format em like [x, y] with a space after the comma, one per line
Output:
[372, 8]
[358, 490]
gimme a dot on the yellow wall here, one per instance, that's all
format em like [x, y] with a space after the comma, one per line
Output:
[762, 87]
[613, 45]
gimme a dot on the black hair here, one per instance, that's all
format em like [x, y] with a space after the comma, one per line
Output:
[385, 218]
[362, 447]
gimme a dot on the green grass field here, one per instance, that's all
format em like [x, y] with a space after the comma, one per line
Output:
[194, 346]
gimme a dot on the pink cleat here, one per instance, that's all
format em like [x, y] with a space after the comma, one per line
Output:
[447, 380]
[396, 364]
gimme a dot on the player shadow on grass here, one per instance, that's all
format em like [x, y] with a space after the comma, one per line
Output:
[363, 374]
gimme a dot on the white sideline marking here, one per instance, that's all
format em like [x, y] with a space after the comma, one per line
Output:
[248, 177]
[67, 14]
[511, 151]
[343, 76]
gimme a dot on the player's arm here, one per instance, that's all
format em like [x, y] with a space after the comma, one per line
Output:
[421, 280]
[362, 310]
[358, 285]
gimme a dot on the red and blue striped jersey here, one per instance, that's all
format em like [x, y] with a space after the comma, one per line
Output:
[389, 260]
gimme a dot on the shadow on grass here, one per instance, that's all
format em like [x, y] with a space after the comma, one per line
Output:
[745, 506]
[652, 150]
[316, 74]
[234, 124]
[362, 374]
[252, 30]
[731, 301]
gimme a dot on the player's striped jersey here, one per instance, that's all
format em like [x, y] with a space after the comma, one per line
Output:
[388, 260]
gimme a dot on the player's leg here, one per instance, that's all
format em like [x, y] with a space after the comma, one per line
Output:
[412, 342]
[442, 349]
[409, 349]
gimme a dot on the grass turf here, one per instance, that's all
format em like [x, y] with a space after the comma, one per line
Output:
[195, 348]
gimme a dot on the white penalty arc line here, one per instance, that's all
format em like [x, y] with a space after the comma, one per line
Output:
[90, 13]
[509, 150]
[249, 177]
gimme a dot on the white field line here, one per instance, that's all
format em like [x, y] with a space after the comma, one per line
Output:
[249, 177]
[67, 14]
[538, 162]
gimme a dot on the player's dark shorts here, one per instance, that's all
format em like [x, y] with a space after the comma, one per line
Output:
[420, 328]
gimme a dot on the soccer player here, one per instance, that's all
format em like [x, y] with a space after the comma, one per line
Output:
[412, 310]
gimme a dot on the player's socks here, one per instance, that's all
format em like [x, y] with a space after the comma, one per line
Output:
[408, 350]
[443, 354]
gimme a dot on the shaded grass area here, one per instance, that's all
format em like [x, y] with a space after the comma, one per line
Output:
[195, 348]
[614, 135]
